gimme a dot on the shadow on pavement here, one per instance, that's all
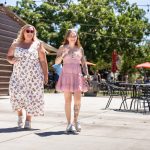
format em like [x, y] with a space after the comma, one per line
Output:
[132, 111]
[14, 129]
[44, 134]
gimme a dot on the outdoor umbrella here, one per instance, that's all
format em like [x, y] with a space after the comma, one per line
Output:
[114, 60]
[143, 65]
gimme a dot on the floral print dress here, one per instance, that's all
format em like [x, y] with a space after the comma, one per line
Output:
[26, 87]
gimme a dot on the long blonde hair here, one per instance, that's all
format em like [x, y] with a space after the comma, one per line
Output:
[20, 37]
[65, 42]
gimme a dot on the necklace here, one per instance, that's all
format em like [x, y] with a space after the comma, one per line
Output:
[72, 51]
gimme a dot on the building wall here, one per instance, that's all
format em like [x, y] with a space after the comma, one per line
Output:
[8, 32]
[10, 24]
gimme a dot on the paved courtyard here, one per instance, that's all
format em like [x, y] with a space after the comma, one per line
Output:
[101, 129]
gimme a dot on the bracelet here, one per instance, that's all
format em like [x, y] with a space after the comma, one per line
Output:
[87, 76]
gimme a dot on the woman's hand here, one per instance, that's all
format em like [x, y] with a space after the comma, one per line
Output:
[61, 54]
[45, 79]
[12, 60]
[65, 52]
[87, 77]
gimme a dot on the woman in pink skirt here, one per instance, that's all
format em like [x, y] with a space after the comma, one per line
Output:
[71, 80]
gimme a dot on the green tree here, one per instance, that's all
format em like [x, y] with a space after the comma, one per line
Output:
[104, 25]
[110, 24]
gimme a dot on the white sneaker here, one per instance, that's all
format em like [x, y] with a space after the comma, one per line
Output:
[27, 125]
[20, 122]
[78, 126]
[71, 128]
[68, 129]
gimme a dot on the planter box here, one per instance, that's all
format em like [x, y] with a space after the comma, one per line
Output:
[90, 93]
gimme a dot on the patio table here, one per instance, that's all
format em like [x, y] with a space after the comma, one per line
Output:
[139, 92]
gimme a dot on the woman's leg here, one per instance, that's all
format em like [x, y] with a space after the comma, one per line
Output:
[77, 105]
[68, 99]
[19, 112]
[28, 122]
[28, 117]
[20, 119]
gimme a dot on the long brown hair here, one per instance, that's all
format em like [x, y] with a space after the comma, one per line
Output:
[20, 38]
[69, 31]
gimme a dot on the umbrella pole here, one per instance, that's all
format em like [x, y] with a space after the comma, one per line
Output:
[114, 77]
[145, 76]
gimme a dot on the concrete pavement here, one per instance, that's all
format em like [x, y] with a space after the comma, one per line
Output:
[101, 129]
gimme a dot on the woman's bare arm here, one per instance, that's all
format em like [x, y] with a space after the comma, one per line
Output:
[61, 54]
[43, 62]
[10, 55]
[83, 63]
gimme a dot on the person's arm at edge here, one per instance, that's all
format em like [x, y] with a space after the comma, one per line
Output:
[60, 55]
[83, 63]
[43, 62]
[10, 55]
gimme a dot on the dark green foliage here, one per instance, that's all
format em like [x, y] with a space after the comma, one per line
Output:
[104, 25]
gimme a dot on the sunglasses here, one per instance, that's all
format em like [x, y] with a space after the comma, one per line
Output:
[29, 31]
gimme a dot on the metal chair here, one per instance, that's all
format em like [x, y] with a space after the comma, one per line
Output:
[114, 90]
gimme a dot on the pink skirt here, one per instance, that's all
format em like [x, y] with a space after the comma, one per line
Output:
[71, 79]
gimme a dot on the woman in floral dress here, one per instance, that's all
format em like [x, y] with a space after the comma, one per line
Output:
[71, 79]
[30, 72]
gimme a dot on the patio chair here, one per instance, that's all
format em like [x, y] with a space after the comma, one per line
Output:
[114, 90]
[143, 97]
